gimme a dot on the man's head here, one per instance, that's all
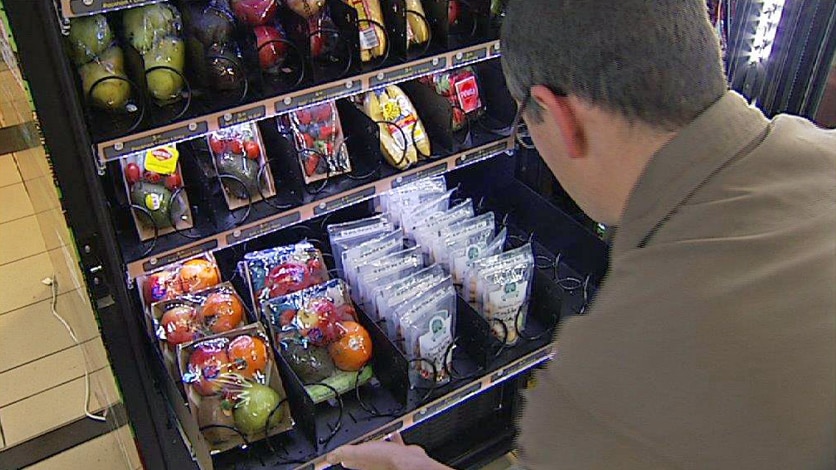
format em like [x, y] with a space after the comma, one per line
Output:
[606, 83]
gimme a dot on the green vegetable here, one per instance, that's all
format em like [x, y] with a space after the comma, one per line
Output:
[242, 168]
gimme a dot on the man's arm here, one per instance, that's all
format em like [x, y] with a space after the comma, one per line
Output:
[382, 455]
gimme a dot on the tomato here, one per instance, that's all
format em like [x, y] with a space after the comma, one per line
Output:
[132, 173]
[152, 177]
[354, 349]
[236, 147]
[180, 325]
[248, 356]
[217, 145]
[173, 182]
[253, 150]
[222, 312]
[304, 116]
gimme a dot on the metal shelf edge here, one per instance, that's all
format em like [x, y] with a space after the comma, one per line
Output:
[115, 149]
[314, 209]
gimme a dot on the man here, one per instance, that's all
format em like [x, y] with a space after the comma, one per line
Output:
[712, 342]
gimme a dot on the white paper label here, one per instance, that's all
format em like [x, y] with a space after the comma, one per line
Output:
[504, 305]
[433, 345]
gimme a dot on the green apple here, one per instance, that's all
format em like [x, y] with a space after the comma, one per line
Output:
[163, 84]
[89, 37]
[255, 404]
[108, 94]
[145, 25]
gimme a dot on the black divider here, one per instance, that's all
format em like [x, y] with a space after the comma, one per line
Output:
[394, 17]
[348, 52]
[472, 23]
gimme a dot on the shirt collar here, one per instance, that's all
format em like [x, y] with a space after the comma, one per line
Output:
[680, 167]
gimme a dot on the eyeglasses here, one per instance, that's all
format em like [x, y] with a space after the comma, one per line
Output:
[518, 128]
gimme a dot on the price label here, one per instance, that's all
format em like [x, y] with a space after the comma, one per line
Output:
[84, 7]
[452, 400]
[470, 56]
[141, 144]
[160, 261]
[381, 434]
[536, 358]
[241, 117]
[344, 201]
[481, 154]
[263, 228]
[495, 50]
[424, 173]
[410, 71]
[347, 88]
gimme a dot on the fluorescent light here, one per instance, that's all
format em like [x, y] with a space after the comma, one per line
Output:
[767, 27]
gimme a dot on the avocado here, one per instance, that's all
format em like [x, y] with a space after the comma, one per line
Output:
[242, 168]
[312, 364]
[157, 200]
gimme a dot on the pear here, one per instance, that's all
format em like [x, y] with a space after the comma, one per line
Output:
[145, 25]
[113, 94]
[163, 84]
[89, 37]
[254, 408]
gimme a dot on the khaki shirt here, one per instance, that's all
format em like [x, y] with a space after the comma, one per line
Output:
[712, 342]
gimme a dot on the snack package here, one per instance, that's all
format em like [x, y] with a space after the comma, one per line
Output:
[402, 135]
[195, 315]
[238, 152]
[390, 201]
[479, 266]
[172, 281]
[391, 296]
[429, 329]
[319, 140]
[477, 230]
[411, 217]
[417, 24]
[398, 315]
[408, 200]
[320, 336]
[461, 88]
[372, 37]
[233, 384]
[494, 247]
[97, 56]
[428, 230]
[505, 296]
[155, 31]
[279, 271]
[383, 271]
[468, 246]
[215, 58]
[377, 247]
[350, 234]
[151, 180]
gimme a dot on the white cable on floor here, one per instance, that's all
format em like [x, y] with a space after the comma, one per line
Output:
[52, 283]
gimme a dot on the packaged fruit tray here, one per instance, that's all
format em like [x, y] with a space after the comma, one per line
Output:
[234, 390]
[196, 315]
[171, 281]
[319, 336]
[240, 160]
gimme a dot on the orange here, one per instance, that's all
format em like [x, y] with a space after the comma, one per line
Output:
[222, 311]
[248, 355]
[197, 274]
[354, 349]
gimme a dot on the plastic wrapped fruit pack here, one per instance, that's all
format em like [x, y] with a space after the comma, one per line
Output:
[402, 135]
[199, 314]
[233, 387]
[238, 153]
[215, 58]
[259, 16]
[155, 32]
[461, 88]
[320, 337]
[152, 181]
[175, 280]
[319, 141]
[280, 271]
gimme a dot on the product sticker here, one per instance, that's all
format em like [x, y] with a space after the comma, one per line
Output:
[153, 201]
[433, 345]
[162, 160]
[399, 111]
[504, 305]
[368, 36]
[467, 94]
[460, 258]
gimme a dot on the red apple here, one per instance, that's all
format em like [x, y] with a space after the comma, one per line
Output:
[255, 12]
[208, 366]
[157, 286]
[271, 51]
[180, 325]
[286, 278]
[320, 318]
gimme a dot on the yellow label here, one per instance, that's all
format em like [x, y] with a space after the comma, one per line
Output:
[153, 202]
[391, 110]
[162, 160]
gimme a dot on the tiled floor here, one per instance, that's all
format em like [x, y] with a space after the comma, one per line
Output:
[42, 371]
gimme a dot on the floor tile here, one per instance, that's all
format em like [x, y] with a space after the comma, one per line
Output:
[114, 451]
[18, 329]
[20, 281]
[56, 407]
[14, 203]
[20, 239]
[9, 173]
[32, 163]
[53, 227]
[42, 194]
[51, 371]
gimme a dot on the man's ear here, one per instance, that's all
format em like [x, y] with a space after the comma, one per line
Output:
[561, 111]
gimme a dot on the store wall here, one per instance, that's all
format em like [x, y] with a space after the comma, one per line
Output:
[42, 370]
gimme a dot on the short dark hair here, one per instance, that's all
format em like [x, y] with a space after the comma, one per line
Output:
[655, 61]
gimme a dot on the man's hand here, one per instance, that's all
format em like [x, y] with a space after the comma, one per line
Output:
[382, 455]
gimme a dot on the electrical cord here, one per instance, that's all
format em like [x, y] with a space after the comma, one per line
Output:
[53, 285]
